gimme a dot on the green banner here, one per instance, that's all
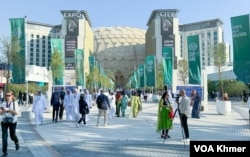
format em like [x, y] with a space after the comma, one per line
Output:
[18, 36]
[56, 46]
[150, 68]
[79, 58]
[241, 47]
[167, 57]
[194, 63]
[91, 63]
[142, 75]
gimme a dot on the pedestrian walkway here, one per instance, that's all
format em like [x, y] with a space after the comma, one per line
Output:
[126, 137]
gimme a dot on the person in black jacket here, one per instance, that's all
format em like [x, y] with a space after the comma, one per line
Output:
[83, 110]
[61, 106]
[55, 104]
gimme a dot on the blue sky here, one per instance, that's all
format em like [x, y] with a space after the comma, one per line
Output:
[132, 13]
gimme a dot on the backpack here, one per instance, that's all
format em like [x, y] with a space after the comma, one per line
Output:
[99, 101]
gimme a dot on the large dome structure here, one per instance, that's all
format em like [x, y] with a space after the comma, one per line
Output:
[119, 50]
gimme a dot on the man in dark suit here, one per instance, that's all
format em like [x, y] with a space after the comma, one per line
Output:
[61, 108]
[55, 104]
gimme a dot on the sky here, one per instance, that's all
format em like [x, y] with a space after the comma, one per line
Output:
[131, 13]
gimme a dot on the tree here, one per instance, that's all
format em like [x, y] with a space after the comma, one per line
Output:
[219, 57]
[183, 70]
[9, 55]
[57, 66]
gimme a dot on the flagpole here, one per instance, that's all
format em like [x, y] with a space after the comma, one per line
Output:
[26, 60]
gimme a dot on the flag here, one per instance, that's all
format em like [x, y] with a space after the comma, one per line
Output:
[79, 59]
[142, 75]
[18, 36]
[194, 63]
[150, 68]
[56, 46]
[241, 47]
[167, 62]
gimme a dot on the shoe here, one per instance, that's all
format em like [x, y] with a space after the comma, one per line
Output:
[162, 136]
[4, 155]
[17, 146]
[186, 140]
[168, 136]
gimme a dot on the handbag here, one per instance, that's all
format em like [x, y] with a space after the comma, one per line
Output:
[7, 120]
[171, 115]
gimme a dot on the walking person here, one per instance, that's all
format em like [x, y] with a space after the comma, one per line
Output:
[83, 110]
[124, 104]
[164, 121]
[184, 109]
[112, 105]
[61, 100]
[74, 101]
[55, 104]
[88, 99]
[103, 105]
[118, 100]
[135, 104]
[196, 105]
[245, 97]
[9, 110]
[38, 107]
[68, 106]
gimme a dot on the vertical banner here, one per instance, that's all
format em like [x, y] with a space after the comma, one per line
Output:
[79, 58]
[241, 47]
[142, 75]
[167, 57]
[194, 63]
[150, 67]
[18, 37]
[135, 79]
[56, 46]
[91, 63]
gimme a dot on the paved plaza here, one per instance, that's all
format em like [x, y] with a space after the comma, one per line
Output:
[128, 137]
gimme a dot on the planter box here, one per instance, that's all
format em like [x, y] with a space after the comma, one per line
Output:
[223, 107]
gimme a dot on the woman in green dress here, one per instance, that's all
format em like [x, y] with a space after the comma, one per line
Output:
[164, 122]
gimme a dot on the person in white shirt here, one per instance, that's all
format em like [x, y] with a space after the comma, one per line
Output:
[88, 99]
[38, 107]
[68, 106]
[74, 101]
[9, 109]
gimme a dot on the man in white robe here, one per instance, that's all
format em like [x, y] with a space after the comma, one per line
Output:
[88, 99]
[75, 96]
[68, 106]
[38, 107]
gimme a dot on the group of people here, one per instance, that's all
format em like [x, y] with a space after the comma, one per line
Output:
[115, 104]
[184, 105]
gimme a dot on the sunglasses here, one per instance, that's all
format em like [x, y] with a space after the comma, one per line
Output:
[8, 95]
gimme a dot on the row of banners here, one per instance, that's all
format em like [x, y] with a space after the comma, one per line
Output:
[147, 71]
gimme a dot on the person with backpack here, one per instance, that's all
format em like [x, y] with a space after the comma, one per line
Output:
[103, 105]
[61, 100]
